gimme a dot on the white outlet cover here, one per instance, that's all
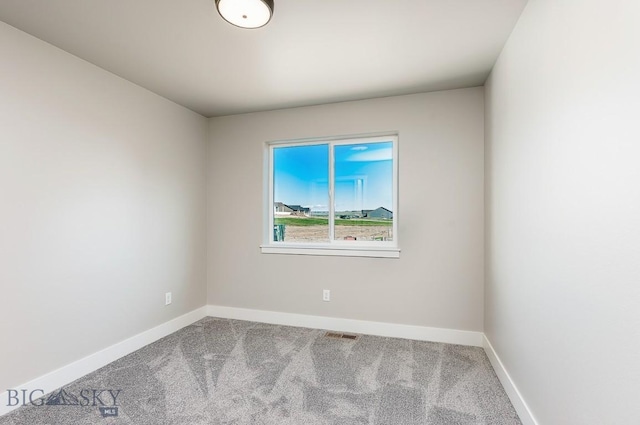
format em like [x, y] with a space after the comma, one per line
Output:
[326, 295]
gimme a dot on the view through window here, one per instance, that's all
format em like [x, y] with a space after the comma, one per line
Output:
[332, 192]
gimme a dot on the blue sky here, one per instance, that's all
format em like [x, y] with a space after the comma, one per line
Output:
[363, 174]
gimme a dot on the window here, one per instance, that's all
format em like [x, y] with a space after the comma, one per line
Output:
[332, 197]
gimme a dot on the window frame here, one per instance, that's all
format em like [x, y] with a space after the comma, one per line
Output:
[380, 249]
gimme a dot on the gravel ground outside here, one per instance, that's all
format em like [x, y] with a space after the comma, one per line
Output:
[321, 233]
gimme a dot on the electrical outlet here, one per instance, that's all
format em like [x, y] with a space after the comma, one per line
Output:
[326, 295]
[167, 298]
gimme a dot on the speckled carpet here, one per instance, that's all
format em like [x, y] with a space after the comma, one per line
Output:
[220, 371]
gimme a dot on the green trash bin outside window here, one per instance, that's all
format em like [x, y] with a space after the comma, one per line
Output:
[278, 232]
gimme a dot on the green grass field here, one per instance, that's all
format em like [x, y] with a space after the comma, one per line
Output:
[316, 221]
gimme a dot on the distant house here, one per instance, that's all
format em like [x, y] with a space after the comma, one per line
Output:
[365, 212]
[381, 212]
[299, 210]
[281, 208]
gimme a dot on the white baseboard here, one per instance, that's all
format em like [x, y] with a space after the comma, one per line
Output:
[421, 333]
[509, 386]
[69, 373]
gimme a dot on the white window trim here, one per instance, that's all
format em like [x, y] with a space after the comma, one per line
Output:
[382, 249]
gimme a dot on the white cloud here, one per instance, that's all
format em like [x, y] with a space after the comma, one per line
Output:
[370, 156]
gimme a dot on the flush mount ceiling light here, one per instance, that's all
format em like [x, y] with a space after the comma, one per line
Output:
[246, 13]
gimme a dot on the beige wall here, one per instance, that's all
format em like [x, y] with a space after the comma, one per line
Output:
[563, 210]
[438, 281]
[102, 208]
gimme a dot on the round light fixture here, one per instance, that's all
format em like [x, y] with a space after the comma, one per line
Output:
[246, 13]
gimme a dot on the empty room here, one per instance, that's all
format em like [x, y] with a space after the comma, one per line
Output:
[294, 212]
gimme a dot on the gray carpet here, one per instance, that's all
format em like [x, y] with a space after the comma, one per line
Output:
[220, 371]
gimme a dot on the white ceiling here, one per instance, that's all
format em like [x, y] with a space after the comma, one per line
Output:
[312, 52]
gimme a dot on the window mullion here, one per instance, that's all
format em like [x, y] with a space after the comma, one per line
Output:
[331, 194]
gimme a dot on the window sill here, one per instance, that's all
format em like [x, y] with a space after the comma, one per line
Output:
[361, 251]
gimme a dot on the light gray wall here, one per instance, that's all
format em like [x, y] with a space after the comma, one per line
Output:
[563, 210]
[438, 281]
[102, 208]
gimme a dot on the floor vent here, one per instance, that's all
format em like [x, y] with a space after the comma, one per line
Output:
[336, 335]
